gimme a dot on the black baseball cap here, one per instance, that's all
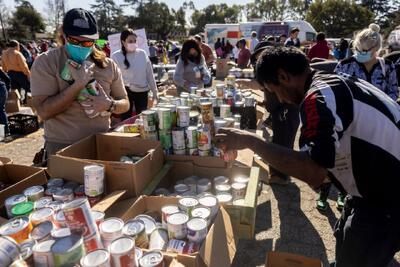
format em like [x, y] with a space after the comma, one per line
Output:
[79, 22]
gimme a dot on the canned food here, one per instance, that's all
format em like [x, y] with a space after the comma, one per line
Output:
[224, 198]
[149, 223]
[225, 111]
[238, 191]
[194, 117]
[184, 101]
[201, 212]
[181, 188]
[55, 205]
[191, 182]
[176, 224]
[12, 201]
[80, 191]
[22, 209]
[96, 258]
[42, 203]
[55, 182]
[178, 139]
[42, 255]
[187, 204]
[136, 229]
[203, 185]
[51, 191]
[220, 91]
[152, 259]
[68, 251]
[204, 139]
[181, 247]
[94, 180]
[60, 233]
[92, 242]
[42, 231]
[71, 184]
[183, 117]
[221, 180]
[175, 101]
[239, 104]
[34, 193]
[166, 211]
[10, 248]
[210, 202]
[59, 220]
[164, 119]
[207, 112]
[158, 239]
[79, 218]
[42, 215]
[111, 229]
[196, 230]
[242, 179]
[222, 188]
[230, 122]
[218, 124]
[173, 113]
[149, 120]
[139, 254]
[98, 216]
[64, 195]
[26, 248]
[193, 89]
[191, 137]
[123, 252]
[238, 118]
[166, 139]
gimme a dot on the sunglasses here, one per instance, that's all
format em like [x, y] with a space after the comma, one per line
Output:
[75, 41]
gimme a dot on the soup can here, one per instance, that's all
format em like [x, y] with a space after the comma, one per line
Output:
[34, 193]
[55, 182]
[238, 190]
[123, 253]
[201, 212]
[12, 201]
[152, 259]
[220, 91]
[17, 228]
[203, 185]
[42, 255]
[225, 111]
[159, 239]
[110, 229]
[197, 230]
[166, 139]
[64, 195]
[166, 211]
[181, 188]
[136, 229]
[191, 137]
[183, 116]
[42, 231]
[207, 112]
[164, 119]
[210, 202]
[178, 139]
[224, 198]
[222, 188]
[187, 204]
[204, 139]
[176, 224]
[94, 180]
[42, 215]
[42, 203]
[78, 217]
[149, 120]
[96, 258]
[10, 248]
[149, 223]
[181, 247]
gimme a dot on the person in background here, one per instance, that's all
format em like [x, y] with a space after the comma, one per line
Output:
[293, 40]
[205, 50]
[153, 54]
[228, 49]
[33, 50]
[235, 52]
[137, 73]
[218, 48]
[14, 63]
[55, 96]
[244, 55]
[282, 39]
[44, 47]
[27, 54]
[320, 49]
[191, 69]
[5, 86]
[340, 52]
[253, 42]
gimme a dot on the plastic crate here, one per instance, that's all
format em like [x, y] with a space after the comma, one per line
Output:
[23, 124]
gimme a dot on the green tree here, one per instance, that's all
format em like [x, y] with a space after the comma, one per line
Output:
[110, 18]
[382, 9]
[277, 10]
[56, 10]
[26, 21]
[338, 18]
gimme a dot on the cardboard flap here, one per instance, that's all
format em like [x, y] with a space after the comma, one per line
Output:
[283, 259]
[219, 248]
[108, 201]
[4, 160]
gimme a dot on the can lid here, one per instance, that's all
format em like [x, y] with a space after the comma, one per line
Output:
[204, 182]
[122, 245]
[238, 186]
[23, 208]
[93, 168]
[201, 212]
[151, 258]
[15, 199]
[149, 223]
[66, 244]
[61, 232]
[37, 215]
[223, 187]
[41, 230]
[13, 226]
[133, 227]
[197, 224]
[97, 215]
[208, 201]
[242, 179]
[170, 209]
[221, 180]
[45, 246]
[188, 202]
[178, 218]
[95, 258]
[111, 225]
[33, 190]
[42, 202]
[224, 197]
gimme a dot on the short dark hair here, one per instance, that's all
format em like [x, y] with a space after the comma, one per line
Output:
[242, 41]
[13, 43]
[320, 36]
[295, 29]
[289, 59]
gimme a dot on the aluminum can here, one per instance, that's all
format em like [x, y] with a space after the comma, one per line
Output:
[222, 189]
[42, 255]
[221, 180]
[218, 124]
[181, 188]
[79, 191]
[51, 191]
[178, 138]
[158, 239]
[241, 179]
[22, 209]
[98, 216]
[66, 74]
[230, 122]
[34, 193]
[238, 190]
[42, 203]
[60, 233]
[197, 230]
[136, 229]
[68, 251]
[64, 195]
[165, 139]
[194, 117]
[166, 211]
[5, 260]
[164, 119]
[42, 232]
[201, 212]
[94, 180]
[183, 116]
[187, 204]
[237, 117]
[225, 111]
[12, 201]
[207, 112]
[152, 259]
[220, 91]
[55, 182]
[139, 255]
[17, 228]
[191, 182]
[204, 139]
[59, 219]
[175, 101]
[181, 247]
[210, 202]
[96, 258]
[111, 229]
[203, 185]
[123, 253]
[10, 248]
[177, 225]
[92, 242]
[224, 198]
[55, 205]
[149, 223]
[79, 218]
[26, 248]
[191, 137]
[149, 120]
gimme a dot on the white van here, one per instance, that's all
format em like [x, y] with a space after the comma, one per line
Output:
[227, 31]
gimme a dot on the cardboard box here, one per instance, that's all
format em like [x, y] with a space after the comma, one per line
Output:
[19, 177]
[282, 259]
[13, 104]
[107, 149]
[242, 216]
[4, 160]
[219, 247]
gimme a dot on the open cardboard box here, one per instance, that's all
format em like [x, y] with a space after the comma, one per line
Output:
[283, 259]
[12, 104]
[219, 247]
[242, 216]
[107, 149]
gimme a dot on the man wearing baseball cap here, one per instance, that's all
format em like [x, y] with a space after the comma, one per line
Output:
[58, 77]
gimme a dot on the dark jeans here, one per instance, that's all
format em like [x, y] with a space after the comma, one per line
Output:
[367, 236]
[154, 60]
[19, 80]
[3, 100]
[137, 101]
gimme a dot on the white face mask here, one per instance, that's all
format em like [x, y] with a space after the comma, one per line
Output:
[131, 47]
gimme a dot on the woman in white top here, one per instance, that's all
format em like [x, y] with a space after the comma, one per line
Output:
[137, 73]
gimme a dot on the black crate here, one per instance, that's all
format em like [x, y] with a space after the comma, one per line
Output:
[23, 124]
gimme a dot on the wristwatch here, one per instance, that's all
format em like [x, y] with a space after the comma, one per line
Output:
[112, 106]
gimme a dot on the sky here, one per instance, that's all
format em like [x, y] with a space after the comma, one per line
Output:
[175, 4]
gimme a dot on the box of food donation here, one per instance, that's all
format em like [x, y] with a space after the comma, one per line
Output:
[12, 104]
[219, 247]
[107, 149]
[243, 215]
[283, 259]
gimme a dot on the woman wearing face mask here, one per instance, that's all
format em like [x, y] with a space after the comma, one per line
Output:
[191, 69]
[366, 65]
[137, 72]
[69, 113]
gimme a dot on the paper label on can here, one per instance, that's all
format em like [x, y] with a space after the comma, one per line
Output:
[78, 219]
[178, 140]
[94, 182]
[183, 117]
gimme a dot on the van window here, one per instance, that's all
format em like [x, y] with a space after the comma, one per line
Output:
[310, 36]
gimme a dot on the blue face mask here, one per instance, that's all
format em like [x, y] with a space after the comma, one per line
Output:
[78, 53]
[363, 57]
